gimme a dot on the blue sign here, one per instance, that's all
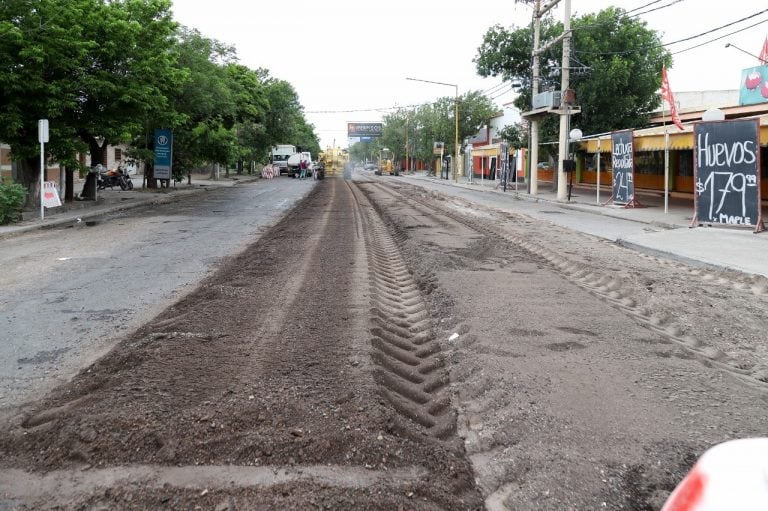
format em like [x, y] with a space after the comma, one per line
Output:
[163, 153]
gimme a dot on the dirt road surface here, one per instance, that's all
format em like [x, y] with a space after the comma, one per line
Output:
[385, 347]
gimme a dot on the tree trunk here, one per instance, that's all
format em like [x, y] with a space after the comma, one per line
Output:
[97, 151]
[29, 175]
[69, 185]
[149, 174]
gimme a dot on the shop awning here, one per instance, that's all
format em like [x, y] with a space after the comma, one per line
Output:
[486, 150]
[652, 139]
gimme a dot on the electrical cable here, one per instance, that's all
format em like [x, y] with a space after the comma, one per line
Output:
[718, 38]
[702, 34]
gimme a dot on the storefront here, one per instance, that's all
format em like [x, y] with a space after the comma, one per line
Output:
[649, 147]
[486, 161]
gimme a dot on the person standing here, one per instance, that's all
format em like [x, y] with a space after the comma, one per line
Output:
[303, 167]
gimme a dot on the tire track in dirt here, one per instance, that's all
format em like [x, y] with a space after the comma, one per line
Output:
[613, 290]
[263, 370]
[410, 366]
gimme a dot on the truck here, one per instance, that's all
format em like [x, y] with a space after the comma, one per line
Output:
[293, 161]
[279, 155]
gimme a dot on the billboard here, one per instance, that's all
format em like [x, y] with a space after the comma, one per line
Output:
[753, 88]
[363, 129]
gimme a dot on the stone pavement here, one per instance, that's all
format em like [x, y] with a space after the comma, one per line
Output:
[650, 229]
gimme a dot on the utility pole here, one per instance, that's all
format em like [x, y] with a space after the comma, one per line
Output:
[534, 156]
[538, 12]
[565, 104]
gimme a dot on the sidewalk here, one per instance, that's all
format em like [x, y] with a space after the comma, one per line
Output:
[654, 231]
[113, 200]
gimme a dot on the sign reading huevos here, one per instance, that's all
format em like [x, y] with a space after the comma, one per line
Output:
[727, 173]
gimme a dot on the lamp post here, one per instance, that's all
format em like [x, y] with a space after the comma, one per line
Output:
[727, 45]
[456, 121]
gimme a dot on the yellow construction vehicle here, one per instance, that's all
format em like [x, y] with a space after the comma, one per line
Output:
[334, 159]
[387, 163]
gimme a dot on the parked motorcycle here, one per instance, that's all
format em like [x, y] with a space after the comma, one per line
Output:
[111, 178]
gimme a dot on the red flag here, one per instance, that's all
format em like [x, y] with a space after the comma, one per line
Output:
[666, 94]
[764, 52]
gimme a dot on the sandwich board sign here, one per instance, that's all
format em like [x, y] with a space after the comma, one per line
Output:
[727, 173]
[623, 164]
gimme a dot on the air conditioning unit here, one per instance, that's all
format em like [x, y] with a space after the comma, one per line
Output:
[549, 99]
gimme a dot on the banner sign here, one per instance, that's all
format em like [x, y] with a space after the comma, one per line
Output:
[623, 157]
[363, 129]
[50, 195]
[754, 86]
[163, 153]
[437, 148]
[727, 173]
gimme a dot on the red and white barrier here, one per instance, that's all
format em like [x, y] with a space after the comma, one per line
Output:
[269, 171]
[732, 476]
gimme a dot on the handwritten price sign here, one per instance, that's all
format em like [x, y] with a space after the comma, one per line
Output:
[727, 172]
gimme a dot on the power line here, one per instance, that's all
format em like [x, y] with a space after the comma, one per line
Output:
[508, 90]
[644, 6]
[721, 37]
[702, 34]
[720, 28]
[626, 15]
[658, 8]
[491, 90]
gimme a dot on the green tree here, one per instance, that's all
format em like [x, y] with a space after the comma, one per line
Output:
[435, 122]
[44, 46]
[202, 107]
[623, 57]
[129, 73]
[94, 68]
[514, 136]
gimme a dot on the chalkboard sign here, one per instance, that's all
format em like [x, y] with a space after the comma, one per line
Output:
[727, 173]
[623, 157]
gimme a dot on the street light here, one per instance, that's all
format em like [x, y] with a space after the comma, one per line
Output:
[456, 123]
[727, 45]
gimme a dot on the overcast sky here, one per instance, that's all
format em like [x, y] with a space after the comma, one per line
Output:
[343, 55]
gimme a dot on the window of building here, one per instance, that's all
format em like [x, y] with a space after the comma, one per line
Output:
[685, 163]
[649, 162]
[763, 163]
[118, 154]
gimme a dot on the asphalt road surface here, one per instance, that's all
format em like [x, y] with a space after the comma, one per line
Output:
[69, 294]
[385, 346]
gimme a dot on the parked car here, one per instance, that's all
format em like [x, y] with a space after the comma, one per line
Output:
[369, 166]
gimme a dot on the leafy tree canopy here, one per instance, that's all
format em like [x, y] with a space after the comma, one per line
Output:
[623, 55]
[429, 123]
[110, 71]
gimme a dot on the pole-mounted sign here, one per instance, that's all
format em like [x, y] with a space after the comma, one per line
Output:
[163, 153]
[43, 137]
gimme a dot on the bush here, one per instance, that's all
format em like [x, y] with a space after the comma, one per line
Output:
[12, 197]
